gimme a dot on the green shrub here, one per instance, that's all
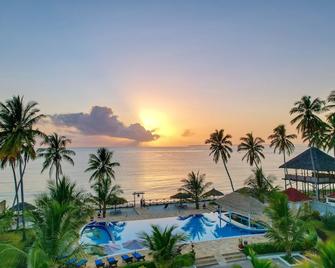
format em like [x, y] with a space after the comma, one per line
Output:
[184, 260]
[146, 264]
[328, 221]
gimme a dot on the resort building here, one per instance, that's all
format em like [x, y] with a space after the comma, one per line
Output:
[311, 172]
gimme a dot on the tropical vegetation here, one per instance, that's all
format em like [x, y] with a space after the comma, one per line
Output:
[196, 186]
[55, 153]
[221, 148]
[163, 245]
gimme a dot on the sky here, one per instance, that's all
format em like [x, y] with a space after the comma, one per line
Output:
[165, 73]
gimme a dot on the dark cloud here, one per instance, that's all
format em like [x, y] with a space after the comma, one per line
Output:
[187, 133]
[102, 121]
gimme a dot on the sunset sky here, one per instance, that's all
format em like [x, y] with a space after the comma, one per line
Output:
[165, 73]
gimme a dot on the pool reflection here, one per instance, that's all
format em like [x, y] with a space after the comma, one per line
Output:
[195, 227]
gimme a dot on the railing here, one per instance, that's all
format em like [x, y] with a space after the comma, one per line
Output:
[324, 178]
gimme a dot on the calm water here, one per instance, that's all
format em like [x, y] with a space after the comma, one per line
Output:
[199, 227]
[156, 171]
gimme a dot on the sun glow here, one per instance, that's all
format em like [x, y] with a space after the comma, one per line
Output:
[157, 121]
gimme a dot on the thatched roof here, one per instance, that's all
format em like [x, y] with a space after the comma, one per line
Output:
[180, 196]
[213, 192]
[27, 206]
[311, 159]
[242, 203]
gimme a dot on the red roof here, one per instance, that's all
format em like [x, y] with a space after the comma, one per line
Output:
[332, 195]
[295, 196]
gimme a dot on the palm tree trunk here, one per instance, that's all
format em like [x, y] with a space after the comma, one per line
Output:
[231, 182]
[16, 198]
[264, 177]
[104, 211]
[196, 202]
[285, 170]
[57, 173]
[22, 200]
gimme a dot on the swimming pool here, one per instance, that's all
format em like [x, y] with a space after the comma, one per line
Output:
[198, 227]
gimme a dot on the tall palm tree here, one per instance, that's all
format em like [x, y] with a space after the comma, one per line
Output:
[331, 100]
[260, 185]
[163, 245]
[253, 147]
[330, 134]
[281, 141]
[306, 111]
[17, 140]
[195, 186]
[101, 165]
[286, 229]
[55, 153]
[220, 147]
[105, 193]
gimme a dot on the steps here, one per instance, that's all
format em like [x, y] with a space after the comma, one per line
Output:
[205, 262]
[234, 256]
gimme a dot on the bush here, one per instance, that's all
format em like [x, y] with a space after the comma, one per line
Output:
[146, 264]
[329, 221]
[269, 247]
[184, 260]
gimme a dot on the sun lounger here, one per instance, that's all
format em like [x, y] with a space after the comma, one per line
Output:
[112, 261]
[70, 261]
[81, 263]
[127, 259]
[99, 263]
[138, 256]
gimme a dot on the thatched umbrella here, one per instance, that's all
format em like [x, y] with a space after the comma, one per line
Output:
[116, 200]
[180, 196]
[213, 193]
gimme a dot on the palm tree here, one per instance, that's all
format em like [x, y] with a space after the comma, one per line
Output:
[331, 100]
[260, 186]
[319, 136]
[281, 141]
[54, 154]
[17, 140]
[325, 257]
[220, 147]
[101, 165]
[306, 111]
[330, 134]
[105, 194]
[163, 245]
[253, 147]
[286, 229]
[195, 186]
[55, 227]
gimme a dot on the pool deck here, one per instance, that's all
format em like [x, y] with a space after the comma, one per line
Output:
[213, 248]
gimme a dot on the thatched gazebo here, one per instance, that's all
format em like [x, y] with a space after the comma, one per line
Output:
[313, 169]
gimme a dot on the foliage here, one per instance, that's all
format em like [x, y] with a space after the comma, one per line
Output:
[286, 229]
[163, 245]
[17, 140]
[55, 153]
[260, 263]
[195, 186]
[253, 147]
[324, 257]
[146, 264]
[260, 186]
[281, 141]
[221, 148]
[306, 111]
[106, 194]
[328, 220]
[101, 165]
[55, 226]
[6, 220]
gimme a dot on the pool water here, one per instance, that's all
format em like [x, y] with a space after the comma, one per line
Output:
[199, 227]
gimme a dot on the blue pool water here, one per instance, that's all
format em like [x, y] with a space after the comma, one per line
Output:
[200, 227]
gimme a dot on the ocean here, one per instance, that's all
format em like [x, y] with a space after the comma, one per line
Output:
[155, 171]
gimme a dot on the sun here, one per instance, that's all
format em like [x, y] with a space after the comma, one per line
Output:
[157, 121]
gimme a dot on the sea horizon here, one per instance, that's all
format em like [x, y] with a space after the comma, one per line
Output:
[156, 171]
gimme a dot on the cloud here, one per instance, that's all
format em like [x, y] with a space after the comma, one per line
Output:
[187, 133]
[102, 121]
